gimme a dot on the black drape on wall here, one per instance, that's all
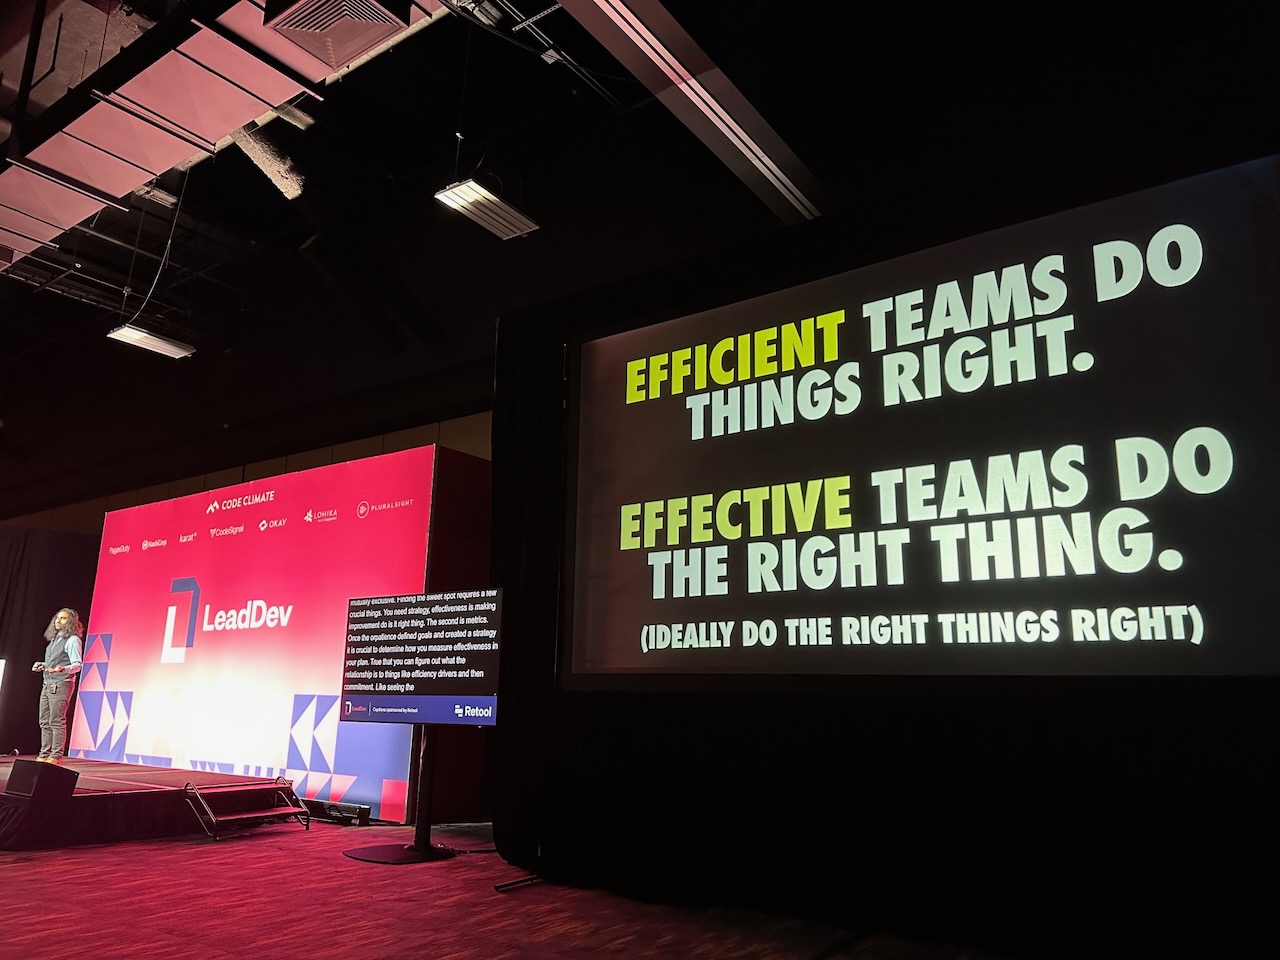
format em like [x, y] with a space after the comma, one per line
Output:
[40, 571]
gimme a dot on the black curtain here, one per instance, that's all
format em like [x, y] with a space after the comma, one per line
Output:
[40, 572]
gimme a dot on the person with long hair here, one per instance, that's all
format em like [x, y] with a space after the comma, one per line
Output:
[61, 663]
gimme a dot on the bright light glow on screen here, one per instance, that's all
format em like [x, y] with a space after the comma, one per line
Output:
[217, 631]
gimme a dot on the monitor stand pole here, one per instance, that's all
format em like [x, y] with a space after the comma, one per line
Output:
[422, 850]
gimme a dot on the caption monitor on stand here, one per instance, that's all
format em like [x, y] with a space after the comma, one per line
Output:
[1046, 450]
[429, 659]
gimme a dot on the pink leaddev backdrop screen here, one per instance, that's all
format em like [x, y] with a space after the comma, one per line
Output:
[217, 632]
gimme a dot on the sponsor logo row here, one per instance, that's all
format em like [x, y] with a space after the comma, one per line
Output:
[315, 515]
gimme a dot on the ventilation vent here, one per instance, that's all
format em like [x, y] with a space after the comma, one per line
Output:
[337, 31]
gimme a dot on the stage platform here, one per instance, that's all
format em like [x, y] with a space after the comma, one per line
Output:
[117, 801]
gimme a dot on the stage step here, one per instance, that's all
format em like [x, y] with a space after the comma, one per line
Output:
[245, 805]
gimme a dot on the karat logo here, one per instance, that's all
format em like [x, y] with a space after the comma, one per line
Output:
[274, 524]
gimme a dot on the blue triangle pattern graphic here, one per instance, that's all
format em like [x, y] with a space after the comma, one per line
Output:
[300, 703]
[90, 703]
[318, 762]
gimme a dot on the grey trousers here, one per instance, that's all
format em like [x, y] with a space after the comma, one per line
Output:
[55, 696]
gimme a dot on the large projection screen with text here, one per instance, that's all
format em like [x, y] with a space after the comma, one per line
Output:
[1050, 449]
[218, 628]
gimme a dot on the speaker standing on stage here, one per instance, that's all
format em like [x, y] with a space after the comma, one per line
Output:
[61, 663]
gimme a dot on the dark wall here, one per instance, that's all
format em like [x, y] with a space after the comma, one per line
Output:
[989, 807]
[40, 572]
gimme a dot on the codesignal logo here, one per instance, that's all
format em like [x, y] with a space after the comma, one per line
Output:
[226, 531]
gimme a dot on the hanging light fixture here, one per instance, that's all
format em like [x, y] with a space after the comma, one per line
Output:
[137, 337]
[491, 212]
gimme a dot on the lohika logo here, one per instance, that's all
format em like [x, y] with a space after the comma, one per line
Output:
[308, 519]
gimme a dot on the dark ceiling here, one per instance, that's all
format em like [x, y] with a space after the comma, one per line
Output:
[364, 305]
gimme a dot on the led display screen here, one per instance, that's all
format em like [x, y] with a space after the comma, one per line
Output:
[216, 637]
[1043, 450]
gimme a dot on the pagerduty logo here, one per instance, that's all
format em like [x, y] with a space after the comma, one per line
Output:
[122, 548]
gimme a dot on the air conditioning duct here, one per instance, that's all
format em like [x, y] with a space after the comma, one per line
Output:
[337, 32]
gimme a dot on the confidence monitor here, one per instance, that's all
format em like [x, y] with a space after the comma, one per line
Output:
[1046, 450]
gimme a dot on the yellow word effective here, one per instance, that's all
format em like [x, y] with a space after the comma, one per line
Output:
[773, 510]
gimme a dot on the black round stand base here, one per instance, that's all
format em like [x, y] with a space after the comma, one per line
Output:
[401, 853]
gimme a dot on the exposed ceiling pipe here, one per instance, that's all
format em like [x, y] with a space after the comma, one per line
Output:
[28, 74]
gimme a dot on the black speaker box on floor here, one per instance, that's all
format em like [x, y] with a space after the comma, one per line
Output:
[41, 781]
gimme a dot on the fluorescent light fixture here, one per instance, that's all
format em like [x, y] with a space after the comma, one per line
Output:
[495, 215]
[138, 337]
